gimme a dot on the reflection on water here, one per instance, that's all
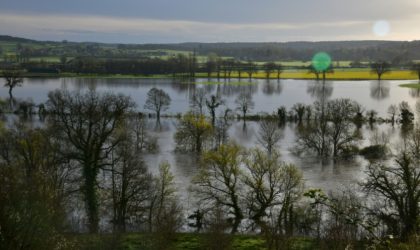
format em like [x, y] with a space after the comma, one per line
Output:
[379, 90]
[270, 87]
[414, 92]
[268, 95]
[320, 89]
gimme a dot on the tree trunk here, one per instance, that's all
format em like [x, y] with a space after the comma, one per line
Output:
[90, 173]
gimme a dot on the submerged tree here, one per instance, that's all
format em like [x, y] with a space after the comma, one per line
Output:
[193, 132]
[13, 79]
[244, 103]
[393, 111]
[269, 135]
[87, 122]
[212, 105]
[198, 100]
[218, 181]
[340, 113]
[271, 183]
[331, 129]
[157, 101]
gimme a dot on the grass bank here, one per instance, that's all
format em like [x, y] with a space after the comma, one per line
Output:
[411, 85]
[181, 241]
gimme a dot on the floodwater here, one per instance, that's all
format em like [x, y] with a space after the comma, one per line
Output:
[267, 96]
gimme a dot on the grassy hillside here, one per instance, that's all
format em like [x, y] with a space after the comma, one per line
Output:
[395, 51]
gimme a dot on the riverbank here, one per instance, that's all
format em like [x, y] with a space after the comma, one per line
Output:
[340, 74]
[181, 241]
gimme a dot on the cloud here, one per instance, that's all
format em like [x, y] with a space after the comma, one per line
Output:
[119, 29]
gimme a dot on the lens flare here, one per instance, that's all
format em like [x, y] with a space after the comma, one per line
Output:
[321, 61]
[381, 28]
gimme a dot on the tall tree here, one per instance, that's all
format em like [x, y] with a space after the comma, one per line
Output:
[87, 122]
[157, 101]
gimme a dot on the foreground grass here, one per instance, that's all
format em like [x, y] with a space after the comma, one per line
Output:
[187, 241]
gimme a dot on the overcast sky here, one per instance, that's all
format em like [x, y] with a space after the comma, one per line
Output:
[170, 21]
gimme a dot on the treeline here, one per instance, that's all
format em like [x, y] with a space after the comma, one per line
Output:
[177, 66]
[397, 52]
[84, 170]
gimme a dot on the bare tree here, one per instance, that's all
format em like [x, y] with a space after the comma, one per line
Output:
[212, 105]
[130, 181]
[314, 135]
[244, 103]
[299, 109]
[157, 101]
[331, 128]
[393, 111]
[198, 100]
[380, 68]
[165, 213]
[13, 79]
[269, 135]
[340, 113]
[269, 68]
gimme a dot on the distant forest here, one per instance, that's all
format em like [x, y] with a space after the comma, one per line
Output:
[395, 52]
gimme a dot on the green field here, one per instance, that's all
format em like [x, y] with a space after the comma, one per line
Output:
[411, 85]
[342, 74]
